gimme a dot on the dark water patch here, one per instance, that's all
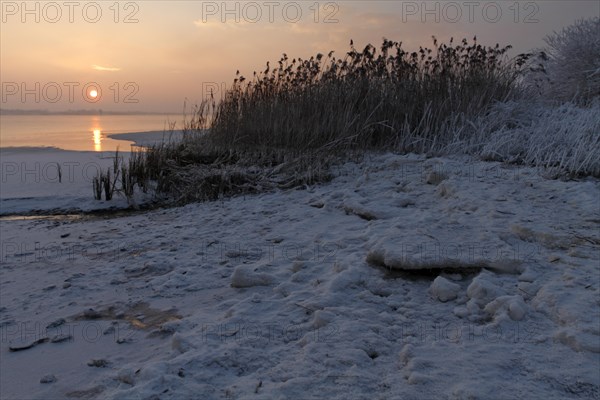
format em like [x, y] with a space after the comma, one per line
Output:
[424, 271]
[79, 215]
[139, 315]
[426, 274]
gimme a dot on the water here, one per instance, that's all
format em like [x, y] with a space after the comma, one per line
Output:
[76, 132]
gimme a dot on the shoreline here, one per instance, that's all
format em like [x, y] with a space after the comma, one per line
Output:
[135, 138]
[144, 139]
[45, 181]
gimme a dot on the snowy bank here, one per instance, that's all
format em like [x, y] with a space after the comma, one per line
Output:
[272, 296]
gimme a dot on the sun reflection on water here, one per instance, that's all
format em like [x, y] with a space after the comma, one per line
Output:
[97, 140]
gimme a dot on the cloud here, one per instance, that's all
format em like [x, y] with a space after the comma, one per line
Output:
[100, 68]
[220, 25]
[233, 24]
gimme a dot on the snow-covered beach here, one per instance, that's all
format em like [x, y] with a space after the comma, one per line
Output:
[300, 200]
[287, 295]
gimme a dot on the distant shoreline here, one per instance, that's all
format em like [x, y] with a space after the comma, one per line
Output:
[80, 112]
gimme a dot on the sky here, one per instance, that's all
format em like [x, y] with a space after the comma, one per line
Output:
[157, 56]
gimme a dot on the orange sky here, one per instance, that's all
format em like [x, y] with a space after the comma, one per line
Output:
[170, 50]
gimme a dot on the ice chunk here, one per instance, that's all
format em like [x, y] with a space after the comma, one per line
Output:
[444, 290]
[482, 290]
[322, 318]
[513, 306]
[245, 276]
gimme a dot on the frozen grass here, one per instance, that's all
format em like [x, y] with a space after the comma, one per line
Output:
[195, 169]
[564, 140]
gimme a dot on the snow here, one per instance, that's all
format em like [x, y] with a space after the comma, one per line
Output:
[269, 296]
[148, 138]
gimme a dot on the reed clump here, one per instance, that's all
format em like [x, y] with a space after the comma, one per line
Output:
[391, 98]
[287, 125]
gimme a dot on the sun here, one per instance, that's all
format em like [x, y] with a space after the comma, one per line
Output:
[93, 93]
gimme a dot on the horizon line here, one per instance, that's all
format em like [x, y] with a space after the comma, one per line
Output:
[7, 111]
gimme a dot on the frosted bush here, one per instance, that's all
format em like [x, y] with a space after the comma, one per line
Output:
[573, 63]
